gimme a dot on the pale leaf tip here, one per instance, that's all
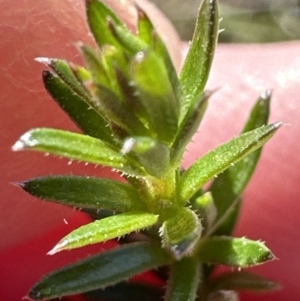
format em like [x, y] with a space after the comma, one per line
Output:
[278, 124]
[26, 298]
[58, 248]
[79, 45]
[19, 145]
[19, 184]
[25, 141]
[43, 60]
[266, 95]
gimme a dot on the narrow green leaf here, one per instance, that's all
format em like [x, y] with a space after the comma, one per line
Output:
[85, 192]
[236, 252]
[161, 50]
[100, 271]
[67, 72]
[95, 66]
[148, 34]
[128, 291]
[98, 16]
[181, 231]
[114, 58]
[63, 69]
[156, 94]
[130, 95]
[189, 125]
[222, 157]
[242, 280]
[230, 184]
[129, 42]
[89, 121]
[119, 112]
[145, 27]
[184, 280]
[151, 153]
[105, 229]
[197, 65]
[74, 146]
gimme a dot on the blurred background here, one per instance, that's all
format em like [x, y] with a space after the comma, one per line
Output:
[244, 21]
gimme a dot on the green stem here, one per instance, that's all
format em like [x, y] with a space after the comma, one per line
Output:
[183, 281]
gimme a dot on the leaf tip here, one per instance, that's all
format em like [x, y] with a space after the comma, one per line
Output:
[44, 60]
[278, 124]
[34, 294]
[270, 256]
[57, 248]
[24, 141]
[46, 74]
[19, 184]
[79, 45]
[141, 13]
[266, 95]
[19, 145]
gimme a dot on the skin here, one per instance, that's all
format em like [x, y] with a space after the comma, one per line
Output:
[30, 228]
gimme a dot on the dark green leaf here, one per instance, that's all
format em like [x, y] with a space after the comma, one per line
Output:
[197, 65]
[98, 16]
[64, 71]
[222, 157]
[90, 122]
[189, 125]
[181, 231]
[155, 91]
[237, 252]
[161, 50]
[100, 214]
[85, 192]
[242, 280]
[100, 271]
[130, 95]
[119, 112]
[127, 291]
[230, 184]
[129, 42]
[151, 153]
[95, 66]
[105, 229]
[183, 281]
[74, 146]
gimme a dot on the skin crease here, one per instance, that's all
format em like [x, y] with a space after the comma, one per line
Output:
[29, 29]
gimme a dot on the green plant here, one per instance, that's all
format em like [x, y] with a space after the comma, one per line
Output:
[138, 116]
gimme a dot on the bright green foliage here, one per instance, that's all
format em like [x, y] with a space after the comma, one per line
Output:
[137, 117]
[239, 252]
[105, 229]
